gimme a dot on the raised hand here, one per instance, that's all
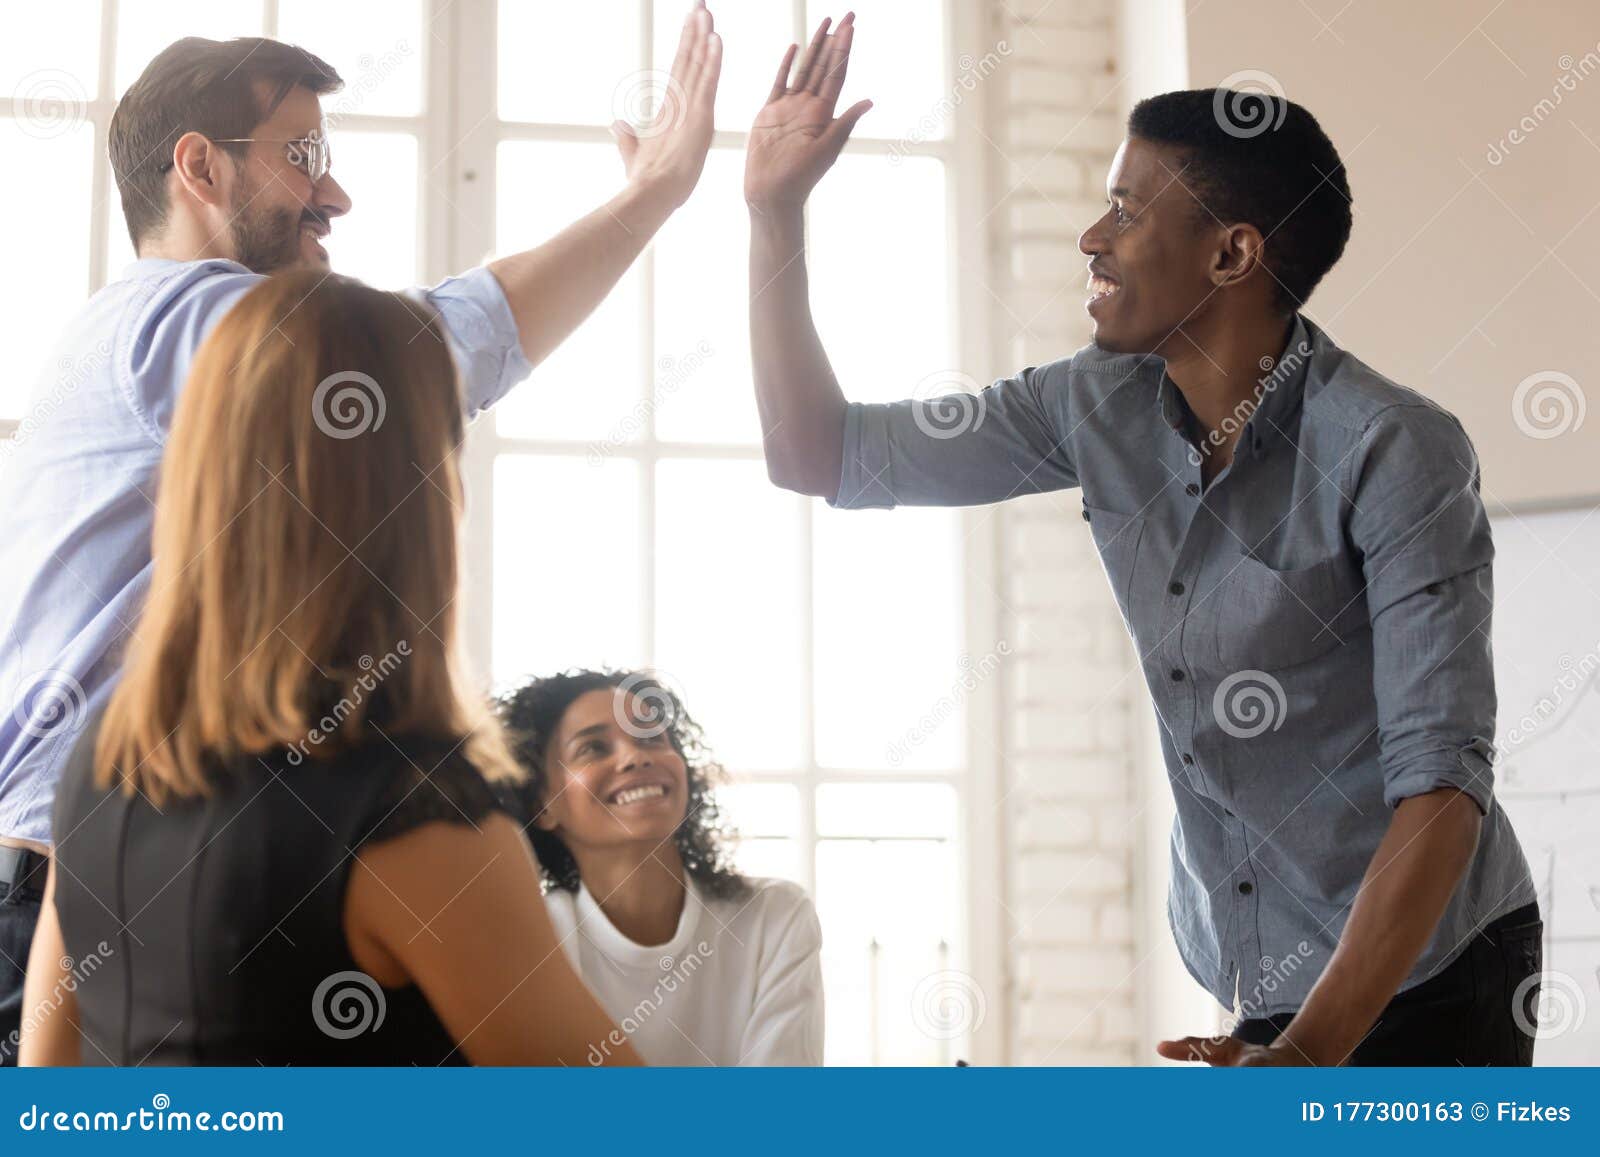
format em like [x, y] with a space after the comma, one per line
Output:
[668, 155]
[796, 138]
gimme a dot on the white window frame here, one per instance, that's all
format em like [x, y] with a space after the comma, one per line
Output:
[455, 229]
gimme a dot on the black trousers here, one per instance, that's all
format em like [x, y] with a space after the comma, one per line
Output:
[1462, 1016]
[19, 916]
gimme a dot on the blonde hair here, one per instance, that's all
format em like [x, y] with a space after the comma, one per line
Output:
[306, 533]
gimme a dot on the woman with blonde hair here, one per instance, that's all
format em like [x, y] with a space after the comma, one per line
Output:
[283, 840]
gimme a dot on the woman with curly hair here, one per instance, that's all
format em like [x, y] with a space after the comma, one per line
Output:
[698, 964]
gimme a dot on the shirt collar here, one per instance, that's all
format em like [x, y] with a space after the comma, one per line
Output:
[598, 929]
[1279, 391]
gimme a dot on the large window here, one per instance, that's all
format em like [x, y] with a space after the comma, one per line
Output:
[621, 513]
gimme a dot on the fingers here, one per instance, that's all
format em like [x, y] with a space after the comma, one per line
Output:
[711, 72]
[1211, 1050]
[780, 84]
[812, 60]
[831, 83]
[686, 40]
[839, 131]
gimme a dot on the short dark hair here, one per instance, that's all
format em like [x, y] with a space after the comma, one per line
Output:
[203, 86]
[532, 714]
[1257, 158]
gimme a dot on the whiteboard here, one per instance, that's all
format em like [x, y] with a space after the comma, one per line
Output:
[1547, 673]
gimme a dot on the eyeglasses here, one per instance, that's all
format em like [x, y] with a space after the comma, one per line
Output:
[311, 154]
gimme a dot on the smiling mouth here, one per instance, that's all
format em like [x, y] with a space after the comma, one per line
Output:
[1101, 288]
[637, 794]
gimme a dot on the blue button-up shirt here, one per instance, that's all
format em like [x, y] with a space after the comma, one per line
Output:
[1313, 626]
[77, 481]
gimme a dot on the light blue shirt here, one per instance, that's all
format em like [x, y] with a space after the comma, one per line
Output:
[77, 489]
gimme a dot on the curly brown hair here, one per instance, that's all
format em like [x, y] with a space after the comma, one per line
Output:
[531, 715]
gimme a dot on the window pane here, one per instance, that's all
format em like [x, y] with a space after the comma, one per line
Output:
[702, 302]
[377, 240]
[889, 630]
[47, 246]
[568, 63]
[888, 911]
[145, 27]
[880, 278]
[767, 816]
[897, 60]
[49, 57]
[566, 566]
[728, 611]
[754, 36]
[376, 46]
[590, 388]
[887, 809]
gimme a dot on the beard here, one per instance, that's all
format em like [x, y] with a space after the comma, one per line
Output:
[264, 239]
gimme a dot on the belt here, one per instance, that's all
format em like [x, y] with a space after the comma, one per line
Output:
[22, 870]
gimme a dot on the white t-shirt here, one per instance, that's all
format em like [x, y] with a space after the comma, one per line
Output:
[739, 983]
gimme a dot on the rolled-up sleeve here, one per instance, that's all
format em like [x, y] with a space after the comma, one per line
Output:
[482, 335]
[1423, 534]
[956, 450]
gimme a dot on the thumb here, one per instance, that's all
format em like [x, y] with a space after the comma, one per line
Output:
[1211, 1050]
[627, 141]
[839, 131]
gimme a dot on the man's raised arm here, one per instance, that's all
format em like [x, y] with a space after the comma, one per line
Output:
[795, 140]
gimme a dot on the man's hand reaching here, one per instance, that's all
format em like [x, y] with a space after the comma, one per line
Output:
[667, 156]
[796, 137]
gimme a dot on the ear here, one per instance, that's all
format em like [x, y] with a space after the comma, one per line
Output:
[547, 820]
[1240, 254]
[204, 169]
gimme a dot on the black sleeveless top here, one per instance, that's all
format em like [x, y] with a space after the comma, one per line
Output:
[211, 932]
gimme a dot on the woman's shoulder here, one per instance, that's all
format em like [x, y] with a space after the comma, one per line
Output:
[423, 781]
[776, 906]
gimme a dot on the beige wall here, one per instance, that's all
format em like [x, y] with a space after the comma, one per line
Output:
[1464, 276]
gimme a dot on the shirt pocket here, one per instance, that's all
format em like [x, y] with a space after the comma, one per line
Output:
[1116, 538]
[1267, 619]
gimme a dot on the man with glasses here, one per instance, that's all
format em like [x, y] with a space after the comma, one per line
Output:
[224, 171]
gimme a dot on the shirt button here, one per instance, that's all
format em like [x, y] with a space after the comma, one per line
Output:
[1176, 588]
[1086, 516]
[1177, 675]
[1245, 887]
[1192, 489]
[1187, 758]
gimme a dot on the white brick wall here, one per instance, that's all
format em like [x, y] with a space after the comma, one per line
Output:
[1070, 824]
